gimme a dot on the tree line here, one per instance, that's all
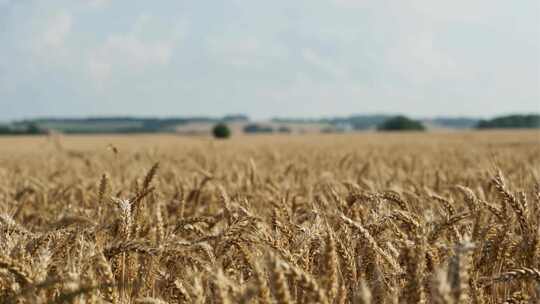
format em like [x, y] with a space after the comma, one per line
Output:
[358, 122]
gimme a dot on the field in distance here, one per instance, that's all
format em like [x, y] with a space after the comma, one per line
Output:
[449, 217]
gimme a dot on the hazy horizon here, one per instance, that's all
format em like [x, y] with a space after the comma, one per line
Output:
[307, 59]
[290, 117]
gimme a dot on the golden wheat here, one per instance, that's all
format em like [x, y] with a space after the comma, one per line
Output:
[375, 218]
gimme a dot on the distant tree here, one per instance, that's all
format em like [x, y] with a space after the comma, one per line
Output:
[4, 130]
[33, 129]
[401, 123]
[511, 121]
[221, 130]
[256, 128]
[329, 130]
[284, 129]
[455, 122]
[28, 128]
[235, 117]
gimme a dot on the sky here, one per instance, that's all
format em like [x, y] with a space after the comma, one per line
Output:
[280, 58]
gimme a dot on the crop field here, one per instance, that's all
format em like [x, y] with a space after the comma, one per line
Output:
[336, 218]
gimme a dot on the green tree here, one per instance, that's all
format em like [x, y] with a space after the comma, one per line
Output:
[401, 123]
[255, 128]
[33, 129]
[5, 130]
[221, 130]
[511, 121]
[284, 129]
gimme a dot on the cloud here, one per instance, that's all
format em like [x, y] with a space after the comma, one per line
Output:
[98, 3]
[47, 41]
[244, 51]
[129, 54]
[316, 56]
[472, 11]
[326, 65]
[418, 61]
[352, 3]
[56, 30]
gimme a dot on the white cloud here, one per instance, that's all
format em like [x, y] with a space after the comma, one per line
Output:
[418, 61]
[329, 66]
[244, 51]
[133, 53]
[99, 70]
[129, 53]
[57, 29]
[47, 41]
[98, 3]
[457, 10]
[352, 3]
[315, 98]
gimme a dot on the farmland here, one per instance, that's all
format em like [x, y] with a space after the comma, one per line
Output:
[449, 217]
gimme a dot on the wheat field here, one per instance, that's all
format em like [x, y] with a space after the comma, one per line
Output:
[363, 218]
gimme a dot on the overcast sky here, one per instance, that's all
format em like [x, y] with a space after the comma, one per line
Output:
[268, 58]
